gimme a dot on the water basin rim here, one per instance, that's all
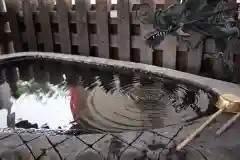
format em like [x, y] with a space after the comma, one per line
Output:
[212, 85]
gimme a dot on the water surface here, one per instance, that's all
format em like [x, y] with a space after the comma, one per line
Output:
[48, 94]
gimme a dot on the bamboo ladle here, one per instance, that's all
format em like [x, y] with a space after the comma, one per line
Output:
[226, 103]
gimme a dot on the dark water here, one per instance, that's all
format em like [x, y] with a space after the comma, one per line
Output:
[56, 95]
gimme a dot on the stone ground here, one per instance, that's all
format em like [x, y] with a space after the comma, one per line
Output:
[125, 146]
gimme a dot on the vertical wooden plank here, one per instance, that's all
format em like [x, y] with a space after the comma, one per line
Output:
[124, 30]
[45, 7]
[5, 42]
[169, 48]
[194, 57]
[146, 52]
[63, 8]
[237, 2]
[29, 6]
[209, 46]
[2, 22]
[169, 45]
[82, 7]
[102, 16]
[13, 8]
[216, 66]
[181, 61]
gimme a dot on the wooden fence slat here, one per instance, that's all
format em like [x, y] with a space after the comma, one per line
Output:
[216, 66]
[169, 48]
[82, 7]
[5, 41]
[169, 44]
[63, 7]
[136, 41]
[28, 9]
[194, 56]
[91, 17]
[2, 30]
[45, 7]
[13, 7]
[209, 46]
[102, 15]
[146, 55]
[124, 30]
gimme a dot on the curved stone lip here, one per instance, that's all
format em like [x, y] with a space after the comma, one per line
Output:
[217, 86]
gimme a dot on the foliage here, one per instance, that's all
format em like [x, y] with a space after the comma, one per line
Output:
[210, 18]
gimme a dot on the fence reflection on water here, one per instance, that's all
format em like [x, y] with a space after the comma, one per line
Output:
[114, 110]
[127, 90]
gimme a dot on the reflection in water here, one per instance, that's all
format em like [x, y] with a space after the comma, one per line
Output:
[69, 96]
[107, 82]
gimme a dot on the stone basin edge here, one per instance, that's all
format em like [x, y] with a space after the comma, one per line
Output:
[217, 86]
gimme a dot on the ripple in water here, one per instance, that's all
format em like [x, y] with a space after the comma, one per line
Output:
[56, 95]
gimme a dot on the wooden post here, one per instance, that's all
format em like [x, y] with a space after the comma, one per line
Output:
[238, 3]
[29, 6]
[82, 7]
[169, 48]
[146, 52]
[45, 7]
[102, 15]
[169, 45]
[194, 56]
[13, 8]
[63, 7]
[2, 24]
[124, 37]
[210, 48]
[5, 40]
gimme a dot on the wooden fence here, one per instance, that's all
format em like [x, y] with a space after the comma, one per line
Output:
[102, 29]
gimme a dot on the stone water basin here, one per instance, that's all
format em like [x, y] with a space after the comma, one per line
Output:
[56, 94]
[75, 95]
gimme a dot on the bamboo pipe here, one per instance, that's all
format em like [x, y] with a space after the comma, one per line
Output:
[226, 103]
[199, 130]
[228, 124]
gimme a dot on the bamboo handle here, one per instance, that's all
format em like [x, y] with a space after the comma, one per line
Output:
[228, 124]
[199, 130]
